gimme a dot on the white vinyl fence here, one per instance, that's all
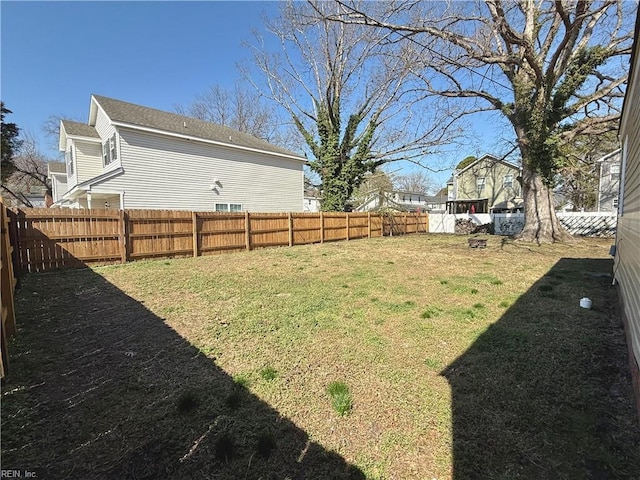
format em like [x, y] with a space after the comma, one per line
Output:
[587, 224]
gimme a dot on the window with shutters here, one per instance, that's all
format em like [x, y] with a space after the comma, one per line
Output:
[70, 160]
[109, 150]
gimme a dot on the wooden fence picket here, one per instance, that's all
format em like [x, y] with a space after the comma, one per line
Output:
[50, 239]
[7, 286]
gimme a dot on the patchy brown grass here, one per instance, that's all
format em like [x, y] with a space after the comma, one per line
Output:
[460, 363]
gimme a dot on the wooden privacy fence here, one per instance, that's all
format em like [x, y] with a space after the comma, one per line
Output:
[50, 239]
[7, 285]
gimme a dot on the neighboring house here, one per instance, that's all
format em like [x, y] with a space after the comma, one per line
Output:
[57, 172]
[451, 193]
[627, 254]
[609, 183]
[311, 202]
[34, 197]
[487, 185]
[562, 203]
[130, 156]
[402, 201]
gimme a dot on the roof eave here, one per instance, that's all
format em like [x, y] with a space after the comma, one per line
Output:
[56, 174]
[609, 155]
[93, 111]
[62, 135]
[485, 156]
[83, 138]
[633, 72]
[204, 140]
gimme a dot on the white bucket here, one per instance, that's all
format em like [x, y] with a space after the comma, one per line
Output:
[585, 303]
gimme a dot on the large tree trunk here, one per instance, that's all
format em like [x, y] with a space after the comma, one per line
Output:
[541, 224]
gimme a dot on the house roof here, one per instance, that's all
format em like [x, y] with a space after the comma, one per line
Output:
[409, 192]
[78, 129]
[436, 199]
[57, 167]
[425, 198]
[129, 114]
[489, 157]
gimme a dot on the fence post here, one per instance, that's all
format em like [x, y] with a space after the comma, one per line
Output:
[405, 224]
[321, 227]
[8, 281]
[347, 222]
[127, 239]
[194, 222]
[122, 237]
[290, 218]
[247, 230]
[14, 238]
[369, 224]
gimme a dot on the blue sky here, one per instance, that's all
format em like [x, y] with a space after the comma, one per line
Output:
[157, 54]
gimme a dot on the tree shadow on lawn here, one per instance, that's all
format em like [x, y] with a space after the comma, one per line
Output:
[545, 393]
[100, 387]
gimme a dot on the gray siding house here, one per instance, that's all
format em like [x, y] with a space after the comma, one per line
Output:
[609, 183]
[627, 256]
[57, 173]
[130, 156]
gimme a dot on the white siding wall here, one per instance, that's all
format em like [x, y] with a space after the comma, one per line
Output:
[58, 187]
[103, 125]
[72, 178]
[172, 173]
[627, 259]
[105, 129]
[88, 160]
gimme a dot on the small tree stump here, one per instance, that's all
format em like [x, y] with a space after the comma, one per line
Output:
[477, 243]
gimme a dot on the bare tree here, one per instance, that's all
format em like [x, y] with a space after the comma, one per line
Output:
[243, 109]
[51, 128]
[351, 99]
[555, 70]
[30, 170]
[416, 182]
[376, 186]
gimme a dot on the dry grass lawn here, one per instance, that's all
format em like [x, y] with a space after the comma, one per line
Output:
[460, 363]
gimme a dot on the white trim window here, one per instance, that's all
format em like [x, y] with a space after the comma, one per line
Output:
[508, 181]
[69, 160]
[481, 182]
[109, 150]
[623, 173]
[112, 148]
[228, 207]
